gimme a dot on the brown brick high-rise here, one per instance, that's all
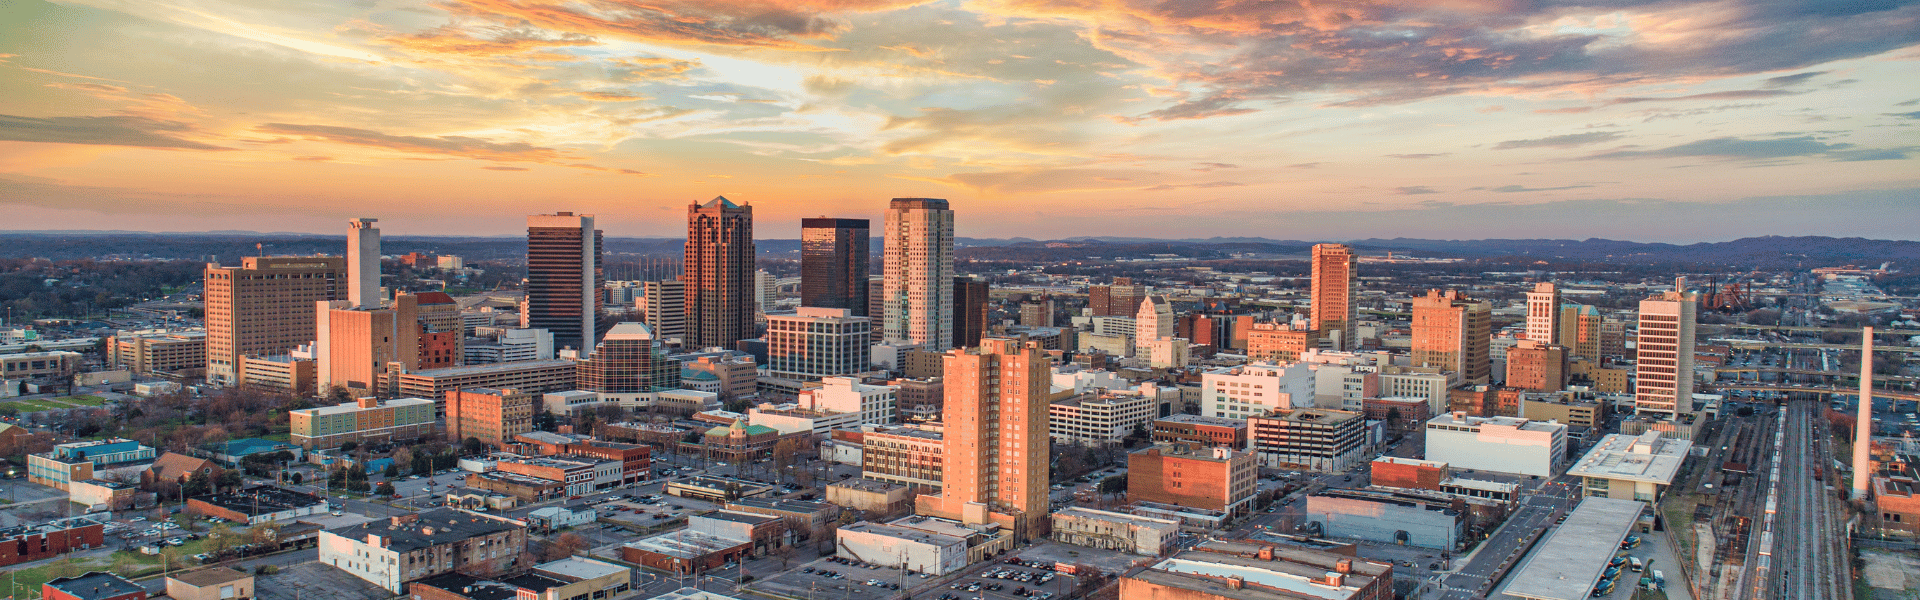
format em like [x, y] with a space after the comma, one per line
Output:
[719, 273]
[264, 307]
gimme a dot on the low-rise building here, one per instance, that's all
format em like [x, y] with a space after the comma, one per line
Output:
[416, 546]
[717, 489]
[28, 543]
[1389, 517]
[211, 583]
[1309, 439]
[492, 416]
[1256, 389]
[1105, 530]
[1571, 409]
[1205, 431]
[177, 469]
[364, 421]
[911, 456]
[528, 376]
[158, 353]
[111, 495]
[1247, 570]
[57, 364]
[685, 552]
[914, 550]
[258, 504]
[1400, 414]
[804, 519]
[765, 533]
[870, 495]
[285, 373]
[1499, 444]
[1207, 478]
[79, 461]
[571, 578]
[93, 585]
[577, 475]
[1626, 467]
[1100, 418]
[523, 488]
[555, 518]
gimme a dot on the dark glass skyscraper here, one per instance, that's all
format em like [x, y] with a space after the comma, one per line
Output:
[719, 273]
[564, 278]
[833, 264]
[969, 311]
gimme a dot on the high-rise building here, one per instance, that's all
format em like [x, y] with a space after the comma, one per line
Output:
[1663, 377]
[719, 273]
[363, 260]
[1333, 308]
[1543, 313]
[1537, 367]
[919, 273]
[1153, 319]
[834, 264]
[1038, 313]
[996, 466]
[492, 416]
[1453, 332]
[564, 277]
[664, 308]
[969, 311]
[818, 342]
[1580, 331]
[355, 345]
[440, 320]
[1276, 342]
[630, 362]
[264, 307]
[1122, 299]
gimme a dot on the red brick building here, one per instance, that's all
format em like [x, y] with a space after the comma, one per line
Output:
[685, 552]
[1393, 471]
[27, 543]
[1400, 414]
[1220, 570]
[636, 460]
[1183, 475]
[1213, 432]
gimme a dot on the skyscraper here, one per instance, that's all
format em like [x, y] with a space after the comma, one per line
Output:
[264, 307]
[664, 308]
[363, 257]
[1663, 369]
[833, 264]
[919, 273]
[1580, 330]
[1121, 299]
[355, 345]
[1333, 309]
[996, 464]
[1452, 332]
[1543, 313]
[1152, 320]
[719, 273]
[564, 277]
[969, 311]
[629, 366]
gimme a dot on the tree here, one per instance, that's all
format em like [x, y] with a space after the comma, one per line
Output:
[1116, 484]
[297, 477]
[566, 545]
[385, 489]
[393, 469]
[473, 446]
[221, 539]
[265, 534]
[349, 446]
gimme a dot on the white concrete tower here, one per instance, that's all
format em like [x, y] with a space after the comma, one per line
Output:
[363, 263]
[1863, 424]
[1543, 313]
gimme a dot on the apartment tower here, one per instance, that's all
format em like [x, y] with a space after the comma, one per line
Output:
[1543, 313]
[1663, 369]
[1453, 332]
[264, 307]
[664, 308]
[564, 277]
[833, 264]
[719, 273]
[919, 273]
[997, 453]
[1333, 310]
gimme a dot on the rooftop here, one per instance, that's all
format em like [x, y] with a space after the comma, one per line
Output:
[1289, 575]
[788, 506]
[261, 500]
[209, 576]
[866, 485]
[692, 594]
[1312, 415]
[1101, 515]
[685, 544]
[432, 528]
[468, 587]
[491, 368]
[738, 517]
[1455, 420]
[95, 585]
[1649, 457]
[578, 569]
[1400, 460]
[903, 533]
[353, 407]
[1202, 420]
[1568, 564]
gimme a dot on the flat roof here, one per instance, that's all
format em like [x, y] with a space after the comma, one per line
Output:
[1568, 564]
[504, 367]
[1206, 572]
[95, 585]
[1648, 458]
[431, 528]
[1205, 420]
[351, 407]
[903, 533]
[209, 576]
[685, 544]
[578, 568]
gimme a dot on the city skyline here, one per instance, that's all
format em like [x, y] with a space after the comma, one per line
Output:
[1344, 121]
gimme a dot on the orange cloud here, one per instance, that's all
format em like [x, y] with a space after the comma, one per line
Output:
[452, 40]
[752, 23]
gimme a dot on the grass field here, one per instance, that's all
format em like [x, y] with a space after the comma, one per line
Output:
[36, 405]
[83, 400]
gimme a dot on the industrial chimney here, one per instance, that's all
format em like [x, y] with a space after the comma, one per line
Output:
[1863, 427]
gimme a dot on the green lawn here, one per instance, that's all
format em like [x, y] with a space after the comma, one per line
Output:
[83, 400]
[36, 405]
[285, 437]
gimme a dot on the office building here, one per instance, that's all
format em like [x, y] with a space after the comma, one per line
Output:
[401, 549]
[40, 541]
[264, 307]
[1100, 418]
[355, 345]
[818, 342]
[1499, 444]
[1333, 310]
[1154, 320]
[1279, 343]
[1327, 441]
[920, 300]
[565, 271]
[1196, 430]
[1121, 299]
[531, 376]
[997, 461]
[629, 364]
[1543, 313]
[969, 311]
[364, 421]
[1580, 331]
[158, 354]
[363, 264]
[1248, 570]
[1215, 479]
[1663, 368]
[874, 404]
[78, 461]
[1255, 389]
[1537, 367]
[443, 331]
[834, 264]
[512, 345]
[664, 308]
[1038, 313]
[489, 415]
[719, 273]
[1131, 534]
[908, 456]
[1452, 332]
[737, 372]
[1629, 467]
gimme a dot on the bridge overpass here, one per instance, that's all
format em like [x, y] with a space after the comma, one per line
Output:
[1810, 389]
[1841, 374]
[1817, 329]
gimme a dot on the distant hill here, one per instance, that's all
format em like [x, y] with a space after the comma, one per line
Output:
[228, 246]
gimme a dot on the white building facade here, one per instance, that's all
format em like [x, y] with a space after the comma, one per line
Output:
[1499, 444]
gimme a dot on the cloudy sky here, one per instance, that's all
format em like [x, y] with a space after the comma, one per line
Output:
[1674, 120]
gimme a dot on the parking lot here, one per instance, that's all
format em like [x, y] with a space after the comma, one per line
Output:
[1000, 579]
[830, 578]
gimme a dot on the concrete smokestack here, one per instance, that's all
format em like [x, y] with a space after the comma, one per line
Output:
[1863, 428]
[363, 263]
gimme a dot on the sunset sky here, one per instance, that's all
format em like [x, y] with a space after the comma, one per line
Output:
[1673, 120]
